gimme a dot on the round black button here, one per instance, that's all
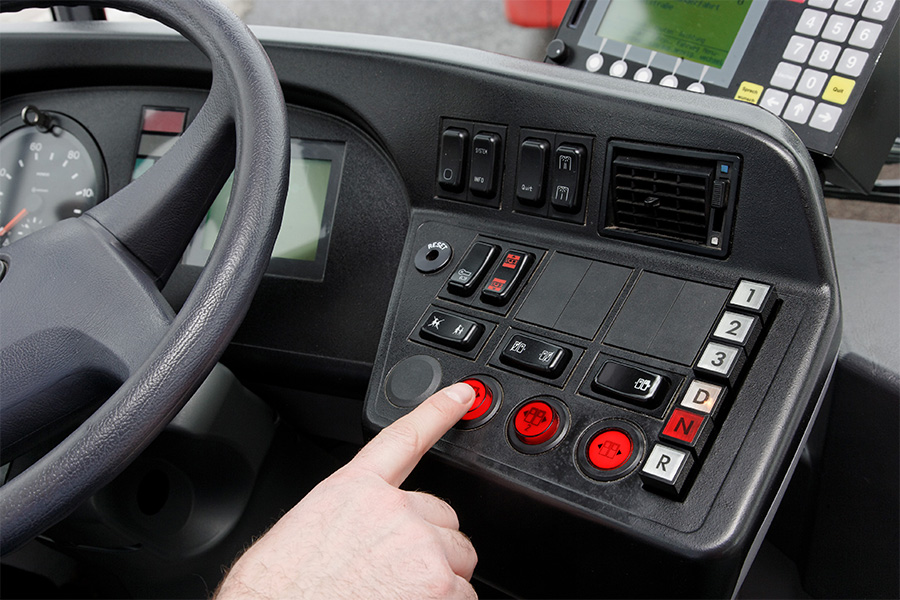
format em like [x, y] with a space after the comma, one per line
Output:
[433, 257]
[557, 51]
[412, 380]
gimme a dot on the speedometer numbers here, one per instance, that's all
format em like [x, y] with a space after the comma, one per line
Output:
[49, 171]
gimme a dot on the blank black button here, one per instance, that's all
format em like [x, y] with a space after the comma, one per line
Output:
[535, 356]
[630, 384]
[472, 269]
[453, 156]
[450, 330]
[532, 171]
[485, 164]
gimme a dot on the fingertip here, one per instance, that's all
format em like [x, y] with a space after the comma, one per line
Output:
[461, 393]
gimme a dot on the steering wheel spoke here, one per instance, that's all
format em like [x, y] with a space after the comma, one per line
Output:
[156, 215]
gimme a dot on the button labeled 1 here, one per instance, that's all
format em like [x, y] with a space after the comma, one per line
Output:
[752, 296]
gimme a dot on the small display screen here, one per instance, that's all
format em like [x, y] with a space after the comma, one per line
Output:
[301, 225]
[301, 247]
[702, 31]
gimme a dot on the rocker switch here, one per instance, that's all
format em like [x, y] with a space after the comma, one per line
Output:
[567, 176]
[472, 269]
[452, 159]
[485, 164]
[532, 171]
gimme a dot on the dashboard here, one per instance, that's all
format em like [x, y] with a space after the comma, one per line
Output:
[639, 284]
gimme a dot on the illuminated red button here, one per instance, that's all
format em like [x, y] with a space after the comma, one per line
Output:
[609, 449]
[683, 426]
[483, 399]
[536, 423]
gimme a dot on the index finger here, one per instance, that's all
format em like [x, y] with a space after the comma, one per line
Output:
[394, 452]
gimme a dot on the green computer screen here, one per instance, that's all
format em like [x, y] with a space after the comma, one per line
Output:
[702, 31]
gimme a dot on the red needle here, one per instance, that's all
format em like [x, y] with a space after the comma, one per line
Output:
[15, 220]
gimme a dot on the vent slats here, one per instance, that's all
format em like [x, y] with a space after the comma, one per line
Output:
[661, 195]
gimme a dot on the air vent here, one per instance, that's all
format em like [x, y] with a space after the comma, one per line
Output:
[675, 198]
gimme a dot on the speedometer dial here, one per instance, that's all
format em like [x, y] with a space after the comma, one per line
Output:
[48, 172]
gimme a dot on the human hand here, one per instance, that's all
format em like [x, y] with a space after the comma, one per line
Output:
[357, 535]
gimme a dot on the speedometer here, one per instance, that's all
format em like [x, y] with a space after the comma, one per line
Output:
[50, 169]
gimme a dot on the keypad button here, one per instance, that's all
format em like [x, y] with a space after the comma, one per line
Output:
[824, 56]
[774, 100]
[721, 361]
[687, 429]
[666, 469]
[751, 296]
[739, 329]
[825, 117]
[878, 10]
[865, 35]
[703, 397]
[837, 28]
[848, 7]
[838, 89]
[811, 82]
[785, 75]
[852, 62]
[826, 4]
[811, 22]
[798, 109]
[798, 48]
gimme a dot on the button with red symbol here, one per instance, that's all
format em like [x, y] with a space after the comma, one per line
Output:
[538, 424]
[610, 449]
[487, 401]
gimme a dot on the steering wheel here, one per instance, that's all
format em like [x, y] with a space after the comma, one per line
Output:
[80, 305]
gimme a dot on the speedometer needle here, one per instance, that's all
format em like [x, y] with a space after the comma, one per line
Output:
[15, 220]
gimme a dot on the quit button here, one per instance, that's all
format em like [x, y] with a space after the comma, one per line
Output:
[630, 384]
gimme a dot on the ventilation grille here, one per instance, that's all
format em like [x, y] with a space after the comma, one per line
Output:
[660, 197]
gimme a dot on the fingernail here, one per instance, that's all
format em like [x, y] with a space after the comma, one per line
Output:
[460, 392]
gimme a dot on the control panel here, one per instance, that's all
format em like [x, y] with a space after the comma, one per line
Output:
[631, 371]
[808, 61]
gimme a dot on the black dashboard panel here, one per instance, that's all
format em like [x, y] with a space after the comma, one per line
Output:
[391, 104]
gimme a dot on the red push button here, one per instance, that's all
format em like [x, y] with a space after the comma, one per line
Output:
[609, 449]
[483, 400]
[536, 422]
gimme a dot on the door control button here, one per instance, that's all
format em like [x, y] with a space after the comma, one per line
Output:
[535, 356]
[506, 277]
[449, 330]
[485, 164]
[536, 423]
[453, 159]
[609, 449]
[567, 177]
[484, 398]
[472, 269]
[667, 469]
[630, 384]
[532, 171]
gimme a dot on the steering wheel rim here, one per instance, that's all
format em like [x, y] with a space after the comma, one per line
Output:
[246, 93]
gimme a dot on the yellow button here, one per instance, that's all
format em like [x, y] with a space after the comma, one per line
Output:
[749, 92]
[838, 89]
